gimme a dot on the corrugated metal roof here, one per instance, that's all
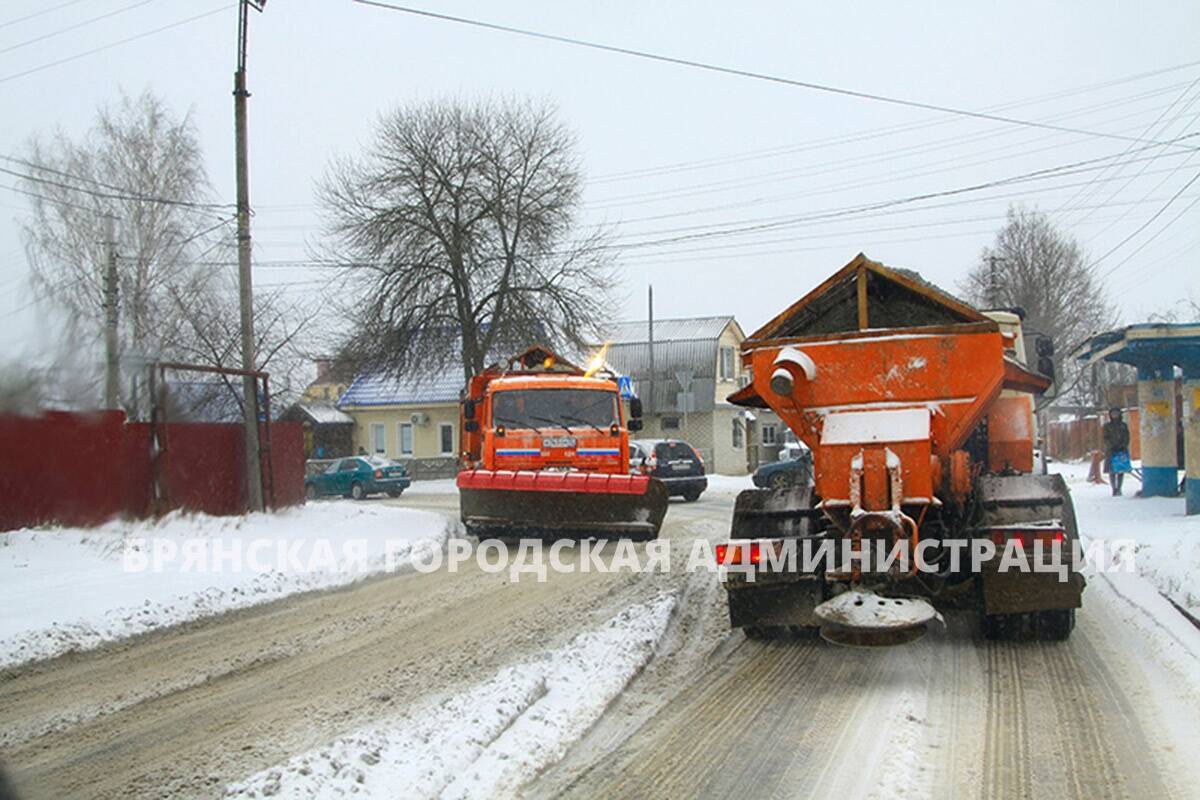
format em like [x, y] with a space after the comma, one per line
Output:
[380, 390]
[325, 414]
[697, 356]
[669, 330]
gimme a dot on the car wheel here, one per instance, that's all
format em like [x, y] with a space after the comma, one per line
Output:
[780, 480]
[691, 496]
[395, 492]
[357, 491]
[310, 492]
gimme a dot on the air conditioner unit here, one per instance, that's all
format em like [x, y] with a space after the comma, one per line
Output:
[419, 418]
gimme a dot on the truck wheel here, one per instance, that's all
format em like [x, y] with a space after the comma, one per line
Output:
[1055, 625]
[357, 491]
[780, 480]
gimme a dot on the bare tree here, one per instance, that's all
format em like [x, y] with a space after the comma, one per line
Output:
[1041, 269]
[210, 336]
[142, 165]
[456, 231]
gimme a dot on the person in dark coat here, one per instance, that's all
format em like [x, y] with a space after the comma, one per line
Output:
[1116, 440]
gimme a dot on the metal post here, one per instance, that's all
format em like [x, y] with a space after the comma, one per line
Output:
[112, 378]
[993, 281]
[254, 489]
[650, 405]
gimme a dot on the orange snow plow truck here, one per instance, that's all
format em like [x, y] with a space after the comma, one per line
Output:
[918, 413]
[545, 453]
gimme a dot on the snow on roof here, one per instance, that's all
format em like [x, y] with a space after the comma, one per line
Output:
[387, 390]
[669, 330]
[325, 414]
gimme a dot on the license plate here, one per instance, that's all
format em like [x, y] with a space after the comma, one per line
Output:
[681, 466]
[558, 442]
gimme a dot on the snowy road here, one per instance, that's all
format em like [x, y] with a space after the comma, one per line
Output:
[186, 712]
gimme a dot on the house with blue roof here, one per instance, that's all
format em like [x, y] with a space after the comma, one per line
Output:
[408, 418]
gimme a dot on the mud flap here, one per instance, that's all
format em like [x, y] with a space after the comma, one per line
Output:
[778, 603]
[1014, 499]
[539, 509]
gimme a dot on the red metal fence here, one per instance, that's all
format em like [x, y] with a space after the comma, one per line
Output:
[83, 469]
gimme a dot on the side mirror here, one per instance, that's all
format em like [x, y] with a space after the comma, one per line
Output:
[634, 424]
[1045, 346]
[469, 411]
[635, 408]
[471, 425]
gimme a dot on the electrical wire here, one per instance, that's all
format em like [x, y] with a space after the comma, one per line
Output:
[762, 76]
[39, 13]
[76, 26]
[111, 45]
[141, 198]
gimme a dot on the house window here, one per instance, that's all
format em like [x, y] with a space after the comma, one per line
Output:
[670, 423]
[737, 434]
[377, 438]
[404, 434]
[728, 367]
[446, 437]
[769, 434]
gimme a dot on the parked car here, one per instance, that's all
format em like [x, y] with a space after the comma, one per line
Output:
[674, 462]
[794, 468]
[358, 477]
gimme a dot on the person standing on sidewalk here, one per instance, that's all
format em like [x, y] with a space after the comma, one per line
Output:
[1116, 445]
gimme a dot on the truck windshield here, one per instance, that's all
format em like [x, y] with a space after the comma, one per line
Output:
[537, 408]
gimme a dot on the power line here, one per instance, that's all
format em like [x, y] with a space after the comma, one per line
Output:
[76, 26]
[874, 133]
[141, 198]
[48, 199]
[1145, 225]
[111, 45]
[762, 76]
[1083, 194]
[39, 13]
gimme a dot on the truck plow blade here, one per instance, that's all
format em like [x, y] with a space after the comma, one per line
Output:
[503, 503]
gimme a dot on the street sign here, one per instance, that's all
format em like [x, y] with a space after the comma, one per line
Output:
[684, 376]
[625, 386]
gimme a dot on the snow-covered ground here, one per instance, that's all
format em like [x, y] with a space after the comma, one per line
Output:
[65, 589]
[729, 484]
[1167, 550]
[488, 741]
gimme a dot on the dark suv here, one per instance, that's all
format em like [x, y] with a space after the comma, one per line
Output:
[676, 463]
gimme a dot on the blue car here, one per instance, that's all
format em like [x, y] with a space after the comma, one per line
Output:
[794, 468]
[358, 477]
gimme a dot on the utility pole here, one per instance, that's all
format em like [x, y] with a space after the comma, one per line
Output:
[650, 324]
[112, 378]
[994, 280]
[254, 490]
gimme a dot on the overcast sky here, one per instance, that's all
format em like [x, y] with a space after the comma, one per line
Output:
[674, 151]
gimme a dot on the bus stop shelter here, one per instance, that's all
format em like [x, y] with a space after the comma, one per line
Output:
[1155, 351]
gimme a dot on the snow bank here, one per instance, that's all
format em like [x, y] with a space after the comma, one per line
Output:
[731, 484]
[65, 589]
[1167, 550]
[488, 741]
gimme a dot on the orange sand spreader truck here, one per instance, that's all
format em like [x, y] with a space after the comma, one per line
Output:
[918, 412]
[545, 454]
